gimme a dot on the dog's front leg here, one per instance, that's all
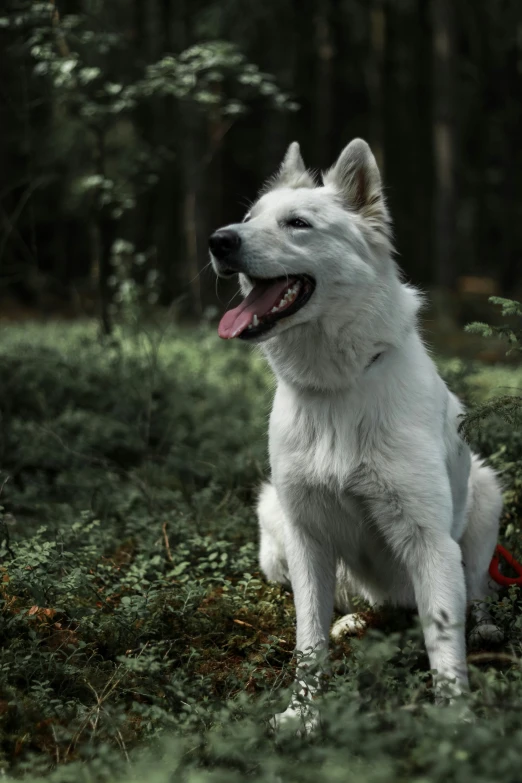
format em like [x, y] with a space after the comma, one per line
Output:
[311, 565]
[413, 507]
[435, 566]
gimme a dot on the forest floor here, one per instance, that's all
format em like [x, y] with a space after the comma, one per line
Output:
[138, 637]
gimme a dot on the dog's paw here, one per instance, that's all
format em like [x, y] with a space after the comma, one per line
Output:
[349, 625]
[303, 719]
[485, 633]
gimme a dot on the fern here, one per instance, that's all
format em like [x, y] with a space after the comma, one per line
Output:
[513, 334]
[507, 406]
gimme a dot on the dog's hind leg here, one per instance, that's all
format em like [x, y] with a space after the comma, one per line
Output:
[348, 625]
[477, 544]
[351, 623]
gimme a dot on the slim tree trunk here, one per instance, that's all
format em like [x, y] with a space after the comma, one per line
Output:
[100, 270]
[511, 272]
[280, 59]
[191, 244]
[375, 78]
[179, 37]
[101, 233]
[323, 100]
[444, 201]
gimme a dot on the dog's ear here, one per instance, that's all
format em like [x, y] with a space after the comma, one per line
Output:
[356, 178]
[292, 165]
[292, 172]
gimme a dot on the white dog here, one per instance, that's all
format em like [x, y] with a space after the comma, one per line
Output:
[373, 492]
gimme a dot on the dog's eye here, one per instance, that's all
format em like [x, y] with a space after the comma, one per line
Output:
[298, 223]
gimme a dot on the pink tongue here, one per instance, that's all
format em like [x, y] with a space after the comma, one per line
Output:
[260, 301]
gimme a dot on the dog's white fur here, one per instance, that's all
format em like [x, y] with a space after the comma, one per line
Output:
[373, 491]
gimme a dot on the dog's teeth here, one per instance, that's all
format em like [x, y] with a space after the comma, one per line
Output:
[255, 321]
[288, 298]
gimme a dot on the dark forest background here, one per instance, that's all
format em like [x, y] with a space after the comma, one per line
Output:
[130, 130]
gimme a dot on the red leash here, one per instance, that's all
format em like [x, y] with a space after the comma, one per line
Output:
[494, 571]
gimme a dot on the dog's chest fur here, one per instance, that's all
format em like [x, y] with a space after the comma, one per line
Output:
[322, 451]
[315, 439]
[340, 460]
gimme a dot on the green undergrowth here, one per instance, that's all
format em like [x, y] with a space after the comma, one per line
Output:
[138, 638]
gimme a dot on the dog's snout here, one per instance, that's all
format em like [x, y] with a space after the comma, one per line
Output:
[224, 242]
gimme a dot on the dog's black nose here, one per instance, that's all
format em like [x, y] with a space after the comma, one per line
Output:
[223, 242]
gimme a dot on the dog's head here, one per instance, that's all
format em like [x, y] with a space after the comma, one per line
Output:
[304, 249]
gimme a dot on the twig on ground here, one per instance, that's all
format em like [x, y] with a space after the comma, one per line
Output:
[166, 540]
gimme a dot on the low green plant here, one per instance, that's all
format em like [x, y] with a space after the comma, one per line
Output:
[138, 638]
[507, 406]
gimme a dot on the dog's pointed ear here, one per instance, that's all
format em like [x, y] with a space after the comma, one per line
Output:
[356, 178]
[293, 163]
[292, 172]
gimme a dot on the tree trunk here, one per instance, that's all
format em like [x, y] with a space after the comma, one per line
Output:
[100, 260]
[280, 60]
[191, 244]
[179, 36]
[511, 272]
[374, 79]
[102, 236]
[323, 100]
[444, 202]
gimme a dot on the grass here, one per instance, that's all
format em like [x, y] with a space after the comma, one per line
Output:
[138, 638]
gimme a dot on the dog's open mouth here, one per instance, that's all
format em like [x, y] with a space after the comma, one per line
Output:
[267, 303]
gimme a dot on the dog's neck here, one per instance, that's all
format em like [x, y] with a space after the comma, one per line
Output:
[328, 355]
